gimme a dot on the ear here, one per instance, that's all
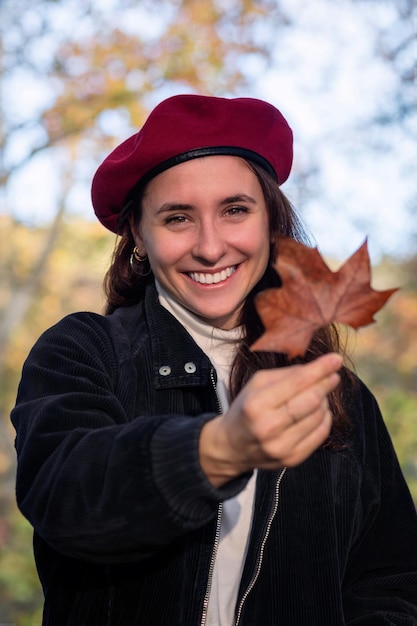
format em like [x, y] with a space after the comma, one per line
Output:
[136, 234]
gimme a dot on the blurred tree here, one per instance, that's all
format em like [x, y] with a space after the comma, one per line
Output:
[20, 594]
[395, 24]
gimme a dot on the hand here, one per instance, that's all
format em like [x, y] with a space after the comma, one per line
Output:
[278, 419]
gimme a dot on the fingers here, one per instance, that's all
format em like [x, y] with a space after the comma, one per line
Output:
[288, 417]
[286, 431]
[303, 443]
[280, 386]
[280, 418]
[307, 401]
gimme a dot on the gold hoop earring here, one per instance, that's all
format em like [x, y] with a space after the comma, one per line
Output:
[136, 263]
[137, 255]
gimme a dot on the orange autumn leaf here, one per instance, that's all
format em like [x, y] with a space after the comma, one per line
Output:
[312, 296]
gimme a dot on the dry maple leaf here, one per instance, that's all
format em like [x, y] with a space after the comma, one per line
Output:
[312, 296]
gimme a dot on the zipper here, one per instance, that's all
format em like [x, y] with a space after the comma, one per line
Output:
[219, 407]
[212, 561]
[262, 550]
[218, 524]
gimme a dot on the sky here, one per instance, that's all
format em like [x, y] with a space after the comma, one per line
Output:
[364, 191]
[328, 83]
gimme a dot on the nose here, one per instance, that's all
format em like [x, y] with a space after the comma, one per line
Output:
[210, 245]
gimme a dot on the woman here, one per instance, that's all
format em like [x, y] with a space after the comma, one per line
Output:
[172, 475]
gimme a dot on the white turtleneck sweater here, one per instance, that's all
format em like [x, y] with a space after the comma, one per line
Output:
[220, 346]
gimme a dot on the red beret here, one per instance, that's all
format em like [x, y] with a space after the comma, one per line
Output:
[185, 127]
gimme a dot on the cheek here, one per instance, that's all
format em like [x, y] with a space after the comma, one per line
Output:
[261, 252]
[257, 244]
[165, 249]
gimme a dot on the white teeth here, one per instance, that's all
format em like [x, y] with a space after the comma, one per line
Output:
[210, 279]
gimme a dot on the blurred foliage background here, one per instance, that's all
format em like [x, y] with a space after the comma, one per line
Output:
[78, 76]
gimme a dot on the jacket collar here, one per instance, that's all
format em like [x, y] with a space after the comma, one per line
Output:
[177, 360]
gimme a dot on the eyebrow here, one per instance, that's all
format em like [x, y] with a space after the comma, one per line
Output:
[179, 206]
[240, 197]
[174, 206]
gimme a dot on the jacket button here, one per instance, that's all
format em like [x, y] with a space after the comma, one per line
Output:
[190, 368]
[165, 370]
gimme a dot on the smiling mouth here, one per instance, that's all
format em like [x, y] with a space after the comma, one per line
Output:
[212, 279]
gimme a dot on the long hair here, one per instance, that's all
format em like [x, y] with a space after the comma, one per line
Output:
[125, 284]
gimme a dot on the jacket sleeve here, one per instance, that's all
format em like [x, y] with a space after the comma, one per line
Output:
[380, 585]
[95, 482]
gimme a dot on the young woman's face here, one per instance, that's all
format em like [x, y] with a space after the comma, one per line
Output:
[204, 227]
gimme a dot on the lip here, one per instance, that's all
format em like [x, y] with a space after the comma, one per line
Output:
[213, 278]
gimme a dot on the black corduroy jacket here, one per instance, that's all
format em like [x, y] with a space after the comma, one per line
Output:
[108, 417]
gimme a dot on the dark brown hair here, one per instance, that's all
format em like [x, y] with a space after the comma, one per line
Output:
[124, 286]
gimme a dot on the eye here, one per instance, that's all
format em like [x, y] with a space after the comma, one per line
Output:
[237, 210]
[176, 219]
